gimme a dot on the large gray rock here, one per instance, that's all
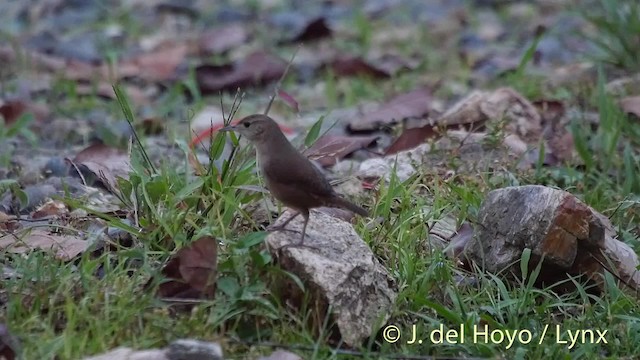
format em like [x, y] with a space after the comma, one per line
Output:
[572, 237]
[341, 272]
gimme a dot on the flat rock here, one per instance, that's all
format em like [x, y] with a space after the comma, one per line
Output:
[341, 272]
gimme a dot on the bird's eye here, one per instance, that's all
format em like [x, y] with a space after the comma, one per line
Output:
[246, 124]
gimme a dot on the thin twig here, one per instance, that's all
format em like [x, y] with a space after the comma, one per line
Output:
[279, 83]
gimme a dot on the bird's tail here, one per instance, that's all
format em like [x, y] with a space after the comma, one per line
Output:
[340, 202]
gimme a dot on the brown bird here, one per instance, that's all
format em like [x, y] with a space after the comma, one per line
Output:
[289, 175]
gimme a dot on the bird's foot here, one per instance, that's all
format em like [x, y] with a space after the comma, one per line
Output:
[281, 227]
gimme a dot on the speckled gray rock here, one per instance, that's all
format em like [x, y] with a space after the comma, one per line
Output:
[130, 354]
[341, 272]
[189, 349]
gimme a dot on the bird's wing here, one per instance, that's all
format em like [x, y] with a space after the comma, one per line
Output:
[298, 172]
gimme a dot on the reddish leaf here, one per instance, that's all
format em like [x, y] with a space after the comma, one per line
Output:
[258, 68]
[289, 100]
[13, 109]
[105, 163]
[314, 30]
[356, 66]
[631, 105]
[328, 149]
[64, 247]
[222, 39]
[416, 103]
[410, 138]
[192, 271]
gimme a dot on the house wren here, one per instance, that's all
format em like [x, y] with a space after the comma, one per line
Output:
[289, 175]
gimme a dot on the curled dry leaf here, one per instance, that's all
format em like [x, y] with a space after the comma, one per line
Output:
[460, 240]
[192, 271]
[329, 149]
[258, 68]
[414, 104]
[50, 208]
[289, 100]
[105, 163]
[64, 247]
[506, 104]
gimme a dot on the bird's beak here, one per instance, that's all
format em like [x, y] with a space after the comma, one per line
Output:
[228, 128]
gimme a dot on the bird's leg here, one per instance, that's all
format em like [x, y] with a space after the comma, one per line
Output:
[284, 223]
[304, 213]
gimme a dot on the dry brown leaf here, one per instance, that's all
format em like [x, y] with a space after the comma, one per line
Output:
[105, 162]
[504, 104]
[258, 68]
[8, 344]
[157, 65]
[329, 149]
[12, 110]
[356, 66]
[414, 104]
[192, 271]
[50, 208]
[410, 138]
[315, 29]
[64, 247]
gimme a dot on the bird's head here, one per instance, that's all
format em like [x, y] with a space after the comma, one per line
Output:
[256, 128]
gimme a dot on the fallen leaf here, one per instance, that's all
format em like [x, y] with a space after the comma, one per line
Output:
[414, 104]
[460, 240]
[50, 208]
[157, 65]
[329, 149]
[104, 163]
[289, 100]
[356, 66]
[550, 110]
[410, 138]
[258, 68]
[478, 107]
[192, 271]
[8, 344]
[12, 110]
[64, 247]
[631, 105]
[222, 39]
[314, 30]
